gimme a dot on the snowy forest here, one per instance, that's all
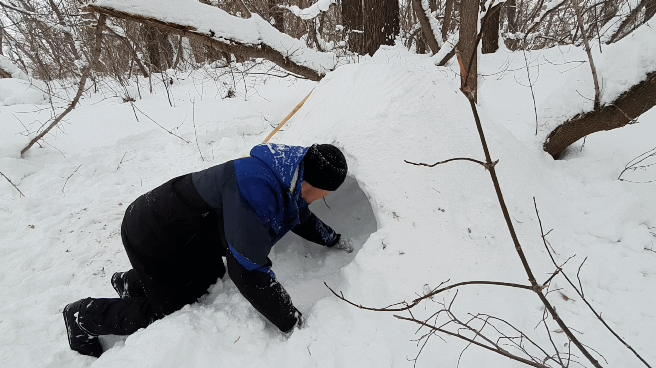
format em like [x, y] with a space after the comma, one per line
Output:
[502, 163]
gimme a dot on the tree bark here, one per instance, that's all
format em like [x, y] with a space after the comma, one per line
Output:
[428, 31]
[225, 45]
[631, 18]
[511, 15]
[624, 110]
[448, 15]
[490, 30]
[381, 24]
[2, 32]
[276, 16]
[467, 46]
[160, 50]
[650, 9]
[352, 20]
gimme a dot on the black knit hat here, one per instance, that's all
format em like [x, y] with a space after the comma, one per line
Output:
[325, 167]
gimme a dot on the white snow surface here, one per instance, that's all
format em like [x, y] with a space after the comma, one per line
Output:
[13, 70]
[414, 227]
[216, 22]
[19, 89]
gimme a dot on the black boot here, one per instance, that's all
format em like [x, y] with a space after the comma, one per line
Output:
[119, 285]
[127, 284]
[79, 339]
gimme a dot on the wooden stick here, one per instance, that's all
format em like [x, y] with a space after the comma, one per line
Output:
[286, 119]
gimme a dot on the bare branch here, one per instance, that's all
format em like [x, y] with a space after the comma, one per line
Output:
[83, 81]
[14, 185]
[502, 352]
[407, 306]
[579, 291]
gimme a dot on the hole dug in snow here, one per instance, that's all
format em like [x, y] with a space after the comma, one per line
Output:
[302, 266]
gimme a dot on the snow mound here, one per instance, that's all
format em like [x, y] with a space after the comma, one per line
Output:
[13, 70]
[18, 91]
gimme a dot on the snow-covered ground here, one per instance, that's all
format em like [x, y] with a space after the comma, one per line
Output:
[414, 227]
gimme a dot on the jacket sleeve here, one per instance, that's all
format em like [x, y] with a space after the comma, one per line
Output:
[265, 293]
[313, 229]
[248, 264]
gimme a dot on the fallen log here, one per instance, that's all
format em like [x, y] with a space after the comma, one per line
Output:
[623, 111]
[287, 59]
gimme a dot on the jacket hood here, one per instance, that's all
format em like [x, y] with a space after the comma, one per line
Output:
[283, 161]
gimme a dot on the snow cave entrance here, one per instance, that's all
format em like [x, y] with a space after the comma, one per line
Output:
[302, 267]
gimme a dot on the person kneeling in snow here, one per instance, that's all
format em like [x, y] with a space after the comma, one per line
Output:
[176, 235]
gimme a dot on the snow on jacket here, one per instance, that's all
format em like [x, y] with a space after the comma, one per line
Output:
[258, 200]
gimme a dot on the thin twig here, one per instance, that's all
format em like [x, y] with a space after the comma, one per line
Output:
[78, 168]
[120, 162]
[14, 185]
[429, 295]
[518, 248]
[530, 84]
[485, 165]
[502, 352]
[580, 293]
[193, 121]
[158, 124]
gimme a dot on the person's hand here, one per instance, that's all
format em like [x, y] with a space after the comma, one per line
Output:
[344, 244]
[300, 323]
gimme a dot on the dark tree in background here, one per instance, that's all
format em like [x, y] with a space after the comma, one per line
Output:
[381, 24]
[650, 9]
[2, 31]
[467, 46]
[276, 15]
[160, 50]
[511, 15]
[352, 20]
[490, 30]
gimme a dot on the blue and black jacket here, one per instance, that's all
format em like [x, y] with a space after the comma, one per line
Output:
[257, 200]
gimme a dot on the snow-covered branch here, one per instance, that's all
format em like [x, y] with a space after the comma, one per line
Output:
[312, 11]
[253, 37]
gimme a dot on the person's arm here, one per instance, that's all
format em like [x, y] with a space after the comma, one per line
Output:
[313, 229]
[265, 293]
[248, 264]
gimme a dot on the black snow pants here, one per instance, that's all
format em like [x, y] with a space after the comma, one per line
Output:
[175, 243]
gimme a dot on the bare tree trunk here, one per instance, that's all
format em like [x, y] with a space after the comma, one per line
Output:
[490, 30]
[631, 18]
[159, 48]
[448, 15]
[467, 46]
[624, 110]
[151, 35]
[352, 20]
[511, 15]
[381, 24]
[276, 16]
[427, 30]
[579, 19]
[2, 32]
[650, 10]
